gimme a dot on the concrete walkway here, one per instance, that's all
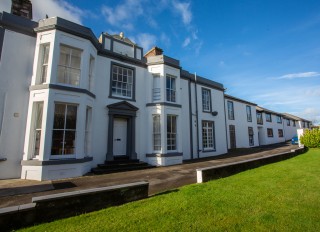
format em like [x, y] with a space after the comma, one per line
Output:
[16, 191]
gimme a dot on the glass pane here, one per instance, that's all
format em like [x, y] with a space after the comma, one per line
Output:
[46, 54]
[57, 142]
[69, 146]
[39, 112]
[71, 119]
[61, 74]
[74, 75]
[59, 112]
[75, 59]
[64, 56]
[37, 142]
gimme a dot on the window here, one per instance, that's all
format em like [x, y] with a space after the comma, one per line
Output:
[171, 132]
[249, 116]
[250, 132]
[270, 132]
[304, 124]
[208, 139]
[156, 133]
[171, 88]
[87, 139]
[122, 82]
[206, 100]
[64, 129]
[38, 111]
[156, 93]
[279, 119]
[259, 118]
[69, 66]
[268, 117]
[288, 122]
[280, 133]
[44, 58]
[230, 110]
[294, 123]
[90, 78]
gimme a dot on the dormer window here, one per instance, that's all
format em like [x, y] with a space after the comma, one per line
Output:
[69, 68]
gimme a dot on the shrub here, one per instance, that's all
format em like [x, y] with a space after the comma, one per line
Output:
[311, 138]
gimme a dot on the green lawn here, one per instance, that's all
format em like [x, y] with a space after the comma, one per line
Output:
[284, 196]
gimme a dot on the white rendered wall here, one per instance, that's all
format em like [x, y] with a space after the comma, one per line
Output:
[15, 77]
[274, 125]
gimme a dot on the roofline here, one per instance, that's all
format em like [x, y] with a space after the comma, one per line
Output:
[239, 100]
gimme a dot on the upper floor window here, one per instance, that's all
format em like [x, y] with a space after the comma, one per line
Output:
[156, 91]
[122, 82]
[268, 117]
[171, 88]
[279, 119]
[206, 100]
[304, 124]
[259, 118]
[294, 123]
[270, 132]
[69, 70]
[44, 58]
[249, 115]
[288, 122]
[230, 110]
[90, 77]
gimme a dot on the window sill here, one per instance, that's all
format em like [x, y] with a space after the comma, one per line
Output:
[62, 87]
[208, 150]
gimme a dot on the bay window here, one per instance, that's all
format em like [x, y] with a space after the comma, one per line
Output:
[171, 132]
[156, 133]
[171, 88]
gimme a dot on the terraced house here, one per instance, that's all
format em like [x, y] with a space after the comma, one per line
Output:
[70, 101]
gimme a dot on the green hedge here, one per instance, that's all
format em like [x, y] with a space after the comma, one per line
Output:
[311, 138]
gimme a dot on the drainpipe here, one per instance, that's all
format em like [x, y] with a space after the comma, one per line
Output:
[197, 116]
[190, 116]
[225, 118]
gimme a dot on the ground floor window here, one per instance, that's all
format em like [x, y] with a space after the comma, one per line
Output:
[280, 133]
[64, 129]
[37, 117]
[208, 139]
[87, 139]
[156, 133]
[171, 132]
[270, 132]
[250, 132]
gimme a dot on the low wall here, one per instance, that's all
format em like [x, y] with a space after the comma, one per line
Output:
[211, 173]
[51, 207]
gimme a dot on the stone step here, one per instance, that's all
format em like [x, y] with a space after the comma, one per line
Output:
[107, 170]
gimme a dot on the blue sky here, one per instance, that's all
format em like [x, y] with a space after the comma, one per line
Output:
[267, 52]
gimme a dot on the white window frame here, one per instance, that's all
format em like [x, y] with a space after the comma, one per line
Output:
[87, 136]
[156, 90]
[206, 100]
[119, 86]
[91, 75]
[156, 132]
[43, 63]
[268, 119]
[249, 114]
[230, 110]
[208, 136]
[67, 78]
[64, 130]
[171, 85]
[172, 132]
[37, 129]
[251, 136]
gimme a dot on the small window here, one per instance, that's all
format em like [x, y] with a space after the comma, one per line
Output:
[268, 117]
[250, 132]
[259, 118]
[208, 138]
[87, 140]
[156, 133]
[279, 119]
[230, 110]
[37, 125]
[156, 91]
[122, 82]
[44, 59]
[69, 66]
[249, 115]
[171, 132]
[171, 88]
[288, 122]
[206, 100]
[270, 132]
[90, 78]
[294, 123]
[280, 133]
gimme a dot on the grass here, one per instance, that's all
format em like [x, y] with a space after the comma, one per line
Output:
[284, 196]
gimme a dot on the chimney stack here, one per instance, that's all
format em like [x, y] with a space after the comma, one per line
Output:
[22, 8]
[155, 51]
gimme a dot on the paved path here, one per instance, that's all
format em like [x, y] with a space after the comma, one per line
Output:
[16, 192]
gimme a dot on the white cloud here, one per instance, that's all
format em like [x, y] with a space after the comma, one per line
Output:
[123, 14]
[165, 39]
[299, 75]
[145, 40]
[183, 8]
[186, 42]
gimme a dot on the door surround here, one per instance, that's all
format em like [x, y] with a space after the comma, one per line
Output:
[127, 111]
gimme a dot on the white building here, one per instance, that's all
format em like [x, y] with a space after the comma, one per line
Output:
[242, 130]
[70, 101]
